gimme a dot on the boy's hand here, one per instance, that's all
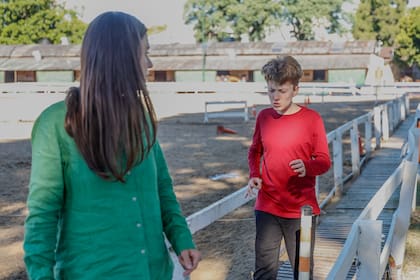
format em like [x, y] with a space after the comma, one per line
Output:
[298, 166]
[254, 183]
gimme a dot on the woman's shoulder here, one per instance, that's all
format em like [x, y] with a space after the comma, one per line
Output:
[54, 110]
[51, 116]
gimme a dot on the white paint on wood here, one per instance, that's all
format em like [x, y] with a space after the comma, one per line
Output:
[378, 129]
[385, 123]
[355, 155]
[369, 249]
[338, 162]
[345, 259]
[208, 114]
[402, 217]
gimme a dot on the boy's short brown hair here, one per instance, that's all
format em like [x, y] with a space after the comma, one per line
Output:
[282, 69]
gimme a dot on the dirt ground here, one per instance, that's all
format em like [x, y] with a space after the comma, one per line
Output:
[196, 154]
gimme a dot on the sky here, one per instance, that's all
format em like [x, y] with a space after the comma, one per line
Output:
[150, 12]
[169, 12]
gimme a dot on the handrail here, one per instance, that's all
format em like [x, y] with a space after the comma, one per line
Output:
[386, 117]
[406, 177]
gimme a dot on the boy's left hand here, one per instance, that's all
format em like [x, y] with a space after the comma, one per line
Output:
[298, 166]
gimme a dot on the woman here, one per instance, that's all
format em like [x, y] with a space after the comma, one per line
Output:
[101, 199]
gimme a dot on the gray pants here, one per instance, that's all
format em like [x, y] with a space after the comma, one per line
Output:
[270, 232]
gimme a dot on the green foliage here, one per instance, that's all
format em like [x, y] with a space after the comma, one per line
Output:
[256, 18]
[408, 39]
[221, 19]
[31, 21]
[155, 29]
[303, 15]
[378, 20]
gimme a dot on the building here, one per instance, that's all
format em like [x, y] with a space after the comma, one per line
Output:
[322, 61]
[39, 63]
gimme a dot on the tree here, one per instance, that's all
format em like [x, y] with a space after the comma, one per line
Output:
[220, 19]
[378, 20]
[34, 21]
[408, 40]
[256, 18]
[303, 15]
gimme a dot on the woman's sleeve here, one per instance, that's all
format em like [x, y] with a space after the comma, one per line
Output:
[174, 223]
[321, 161]
[44, 201]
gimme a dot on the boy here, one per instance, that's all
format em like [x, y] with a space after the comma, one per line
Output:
[289, 149]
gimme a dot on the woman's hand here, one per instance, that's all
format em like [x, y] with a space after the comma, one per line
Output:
[253, 183]
[189, 260]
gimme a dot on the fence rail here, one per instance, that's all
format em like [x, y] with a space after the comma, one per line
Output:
[378, 125]
[306, 88]
[405, 176]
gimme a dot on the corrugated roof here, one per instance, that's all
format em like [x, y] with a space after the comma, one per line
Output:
[18, 51]
[6, 50]
[256, 62]
[220, 55]
[47, 63]
[267, 48]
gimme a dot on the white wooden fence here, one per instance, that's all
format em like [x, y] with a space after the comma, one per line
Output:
[208, 113]
[385, 118]
[378, 125]
[306, 88]
[364, 239]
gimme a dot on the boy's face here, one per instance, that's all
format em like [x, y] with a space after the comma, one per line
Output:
[281, 96]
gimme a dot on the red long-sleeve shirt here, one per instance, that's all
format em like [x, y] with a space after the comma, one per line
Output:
[279, 139]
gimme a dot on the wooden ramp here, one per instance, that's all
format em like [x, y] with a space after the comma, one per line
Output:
[338, 219]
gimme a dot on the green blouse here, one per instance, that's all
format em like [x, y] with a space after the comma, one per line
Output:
[81, 226]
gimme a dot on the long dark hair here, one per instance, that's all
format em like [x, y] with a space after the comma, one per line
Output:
[111, 116]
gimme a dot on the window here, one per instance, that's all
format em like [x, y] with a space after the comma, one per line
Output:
[320, 75]
[9, 77]
[25, 76]
[160, 76]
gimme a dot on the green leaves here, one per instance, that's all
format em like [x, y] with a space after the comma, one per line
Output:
[408, 39]
[378, 20]
[219, 19]
[31, 21]
[222, 19]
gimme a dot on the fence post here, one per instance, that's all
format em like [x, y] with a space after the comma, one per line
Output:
[377, 122]
[391, 117]
[206, 119]
[305, 243]
[396, 115]
[369, 249]
[385, 123]
[355, 153]
[368, 136]
[402, 221]
[403, 110]
[338, 163]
